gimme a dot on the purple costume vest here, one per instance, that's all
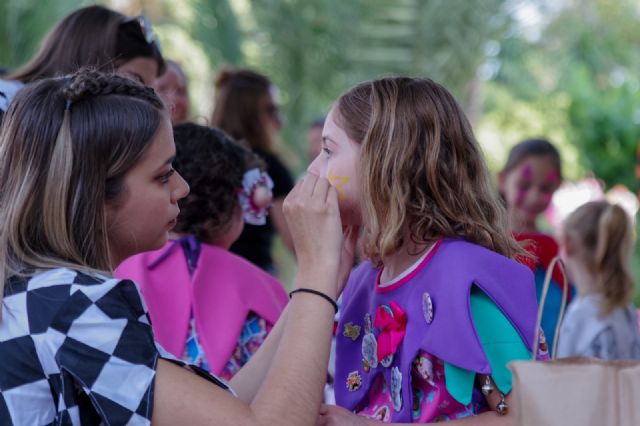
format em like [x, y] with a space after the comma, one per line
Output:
[438, 318]
[223, 290]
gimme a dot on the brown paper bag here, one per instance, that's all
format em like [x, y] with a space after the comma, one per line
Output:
[576, 391]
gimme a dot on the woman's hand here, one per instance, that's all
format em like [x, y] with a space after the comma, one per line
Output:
[333, 415]
[313, 218]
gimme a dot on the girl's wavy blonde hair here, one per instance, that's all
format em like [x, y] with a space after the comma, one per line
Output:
[422, 172]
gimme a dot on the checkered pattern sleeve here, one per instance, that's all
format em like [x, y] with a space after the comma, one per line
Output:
[107, 348]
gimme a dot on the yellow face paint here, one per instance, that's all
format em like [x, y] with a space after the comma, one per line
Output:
[338, 182]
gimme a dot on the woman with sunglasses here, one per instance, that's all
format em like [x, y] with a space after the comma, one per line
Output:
[246, 109]
[94, 37]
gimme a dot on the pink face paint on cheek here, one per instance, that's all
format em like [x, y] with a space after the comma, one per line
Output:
[526, 175]
[553, 176]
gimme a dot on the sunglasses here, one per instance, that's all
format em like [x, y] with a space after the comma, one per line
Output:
[147, 31]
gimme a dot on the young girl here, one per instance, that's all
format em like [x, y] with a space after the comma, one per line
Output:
[429, 323]
[87, 181]
[601, 321]
[208, 306]
[527, 182]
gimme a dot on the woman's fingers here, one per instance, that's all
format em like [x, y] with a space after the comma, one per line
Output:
[313, 218]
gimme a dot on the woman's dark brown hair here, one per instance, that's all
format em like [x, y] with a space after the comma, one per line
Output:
[93, 36]
[239, 99]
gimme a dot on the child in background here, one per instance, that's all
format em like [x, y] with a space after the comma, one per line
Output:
[601, 322]
[430, 321]
[527, 182]
[208, 306]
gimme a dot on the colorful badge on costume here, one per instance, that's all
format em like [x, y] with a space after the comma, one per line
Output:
[354, 381]
[392, 321]
[542, 344]
[367, 323]
[386, 361]
[382, 414]
[424, 367]
[369, 351]
[427, 307]
[396, 388]
[351, 331]
[255, 196]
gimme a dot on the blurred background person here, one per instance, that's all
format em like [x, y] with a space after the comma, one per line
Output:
[314, 138]
[246, 108]
[96, 37]
[172, 86]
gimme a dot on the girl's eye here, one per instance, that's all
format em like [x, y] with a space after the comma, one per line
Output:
[165, 177]
[327, 151]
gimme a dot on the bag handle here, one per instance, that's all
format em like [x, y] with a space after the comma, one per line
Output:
[543, 298]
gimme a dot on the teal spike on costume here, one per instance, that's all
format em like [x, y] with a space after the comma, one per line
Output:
[459, 383]
[501, 343]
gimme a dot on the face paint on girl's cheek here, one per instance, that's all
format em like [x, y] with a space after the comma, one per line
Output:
[526, 174]
[553, 176]
[338, 182]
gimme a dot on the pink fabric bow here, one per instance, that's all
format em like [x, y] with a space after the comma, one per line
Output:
[393, 325]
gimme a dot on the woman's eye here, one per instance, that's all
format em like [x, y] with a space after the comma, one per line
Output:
[326, 151]
[165, 177]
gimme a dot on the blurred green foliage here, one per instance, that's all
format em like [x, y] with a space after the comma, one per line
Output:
[565, 69]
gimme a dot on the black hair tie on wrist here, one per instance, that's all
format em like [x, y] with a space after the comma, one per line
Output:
[317, 293]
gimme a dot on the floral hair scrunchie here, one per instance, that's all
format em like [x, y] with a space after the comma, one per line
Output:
[255, 196]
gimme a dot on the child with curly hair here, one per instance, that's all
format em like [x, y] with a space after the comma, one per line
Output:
[208, 305]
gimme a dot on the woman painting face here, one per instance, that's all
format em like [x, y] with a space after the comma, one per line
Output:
[339, 162]
[142, 216]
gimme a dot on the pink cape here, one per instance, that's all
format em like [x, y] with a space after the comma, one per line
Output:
[223, 290]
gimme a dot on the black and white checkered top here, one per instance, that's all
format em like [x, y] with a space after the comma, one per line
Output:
[77, 349]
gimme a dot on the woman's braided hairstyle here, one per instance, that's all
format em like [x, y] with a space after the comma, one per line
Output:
[90, 83]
